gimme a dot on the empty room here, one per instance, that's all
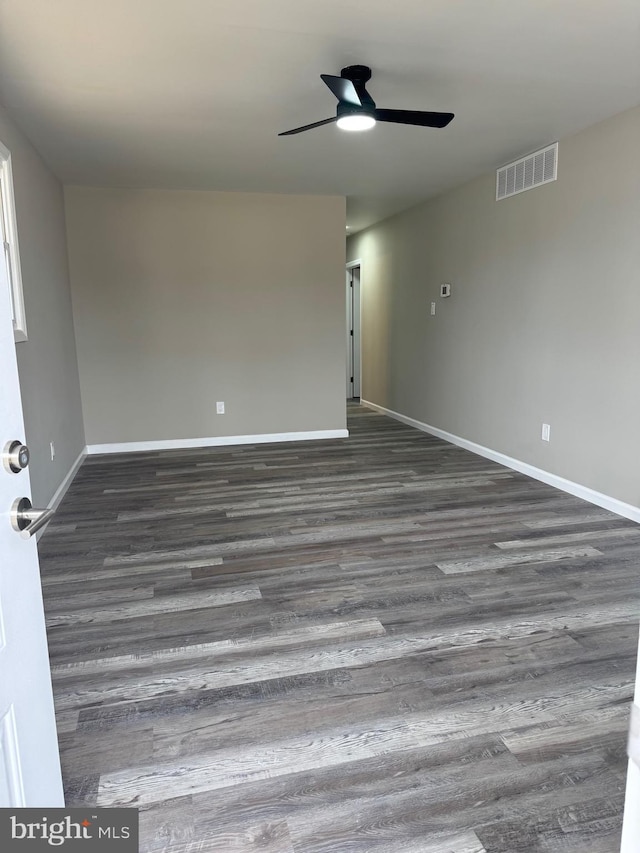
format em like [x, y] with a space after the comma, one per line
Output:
[320, 330]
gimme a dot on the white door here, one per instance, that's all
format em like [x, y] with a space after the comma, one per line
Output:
[355, 339]
[29, 760]
[353, 330]
[349, 338]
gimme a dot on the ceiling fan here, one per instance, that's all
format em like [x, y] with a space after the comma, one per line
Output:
[357, 109]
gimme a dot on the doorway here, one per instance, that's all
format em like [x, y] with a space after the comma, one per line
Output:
[353, 284]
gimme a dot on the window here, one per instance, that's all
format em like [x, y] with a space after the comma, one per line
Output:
[9, 237]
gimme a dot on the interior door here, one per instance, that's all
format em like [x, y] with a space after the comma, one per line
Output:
[355, 326]
[353, 331]
[349, 305]
[29, 759]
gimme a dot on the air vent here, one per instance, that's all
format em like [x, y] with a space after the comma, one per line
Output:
[528, 172]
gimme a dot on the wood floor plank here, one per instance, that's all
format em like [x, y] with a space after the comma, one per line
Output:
[150, 606]
[265, 837]
[499, 561]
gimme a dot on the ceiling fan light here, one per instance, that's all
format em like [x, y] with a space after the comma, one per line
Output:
[356, 121]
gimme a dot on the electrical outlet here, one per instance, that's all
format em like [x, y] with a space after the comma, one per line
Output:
[546, 432]
[433, 308]
[220, 408]
[52, 448]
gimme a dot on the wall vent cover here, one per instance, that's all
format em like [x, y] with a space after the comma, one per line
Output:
[535, 169]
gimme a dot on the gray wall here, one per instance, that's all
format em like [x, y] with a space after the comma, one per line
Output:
[47, 361]
[182, 299]
[543, 324]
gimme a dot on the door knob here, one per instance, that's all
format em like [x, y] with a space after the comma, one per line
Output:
[15, 457]
[26, 520]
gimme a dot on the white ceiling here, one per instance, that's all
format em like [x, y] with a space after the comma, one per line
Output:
[192, 93]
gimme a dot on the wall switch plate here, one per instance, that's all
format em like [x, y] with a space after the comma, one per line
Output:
[433, 308]
[220, 408]
[445, 290]
[546, 432]
[52, 448]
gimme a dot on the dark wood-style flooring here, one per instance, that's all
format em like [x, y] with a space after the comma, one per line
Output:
[382, 643]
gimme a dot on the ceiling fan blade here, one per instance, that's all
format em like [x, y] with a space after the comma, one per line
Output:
[309, 126]
[417, 117]
[343, 89]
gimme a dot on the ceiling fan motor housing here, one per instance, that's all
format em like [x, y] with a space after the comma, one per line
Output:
[356, 73]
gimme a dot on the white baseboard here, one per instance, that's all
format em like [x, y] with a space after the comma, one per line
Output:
[217, 441]
[64, 485]
[605, 501]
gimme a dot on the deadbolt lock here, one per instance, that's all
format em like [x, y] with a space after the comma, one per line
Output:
[15, 457]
